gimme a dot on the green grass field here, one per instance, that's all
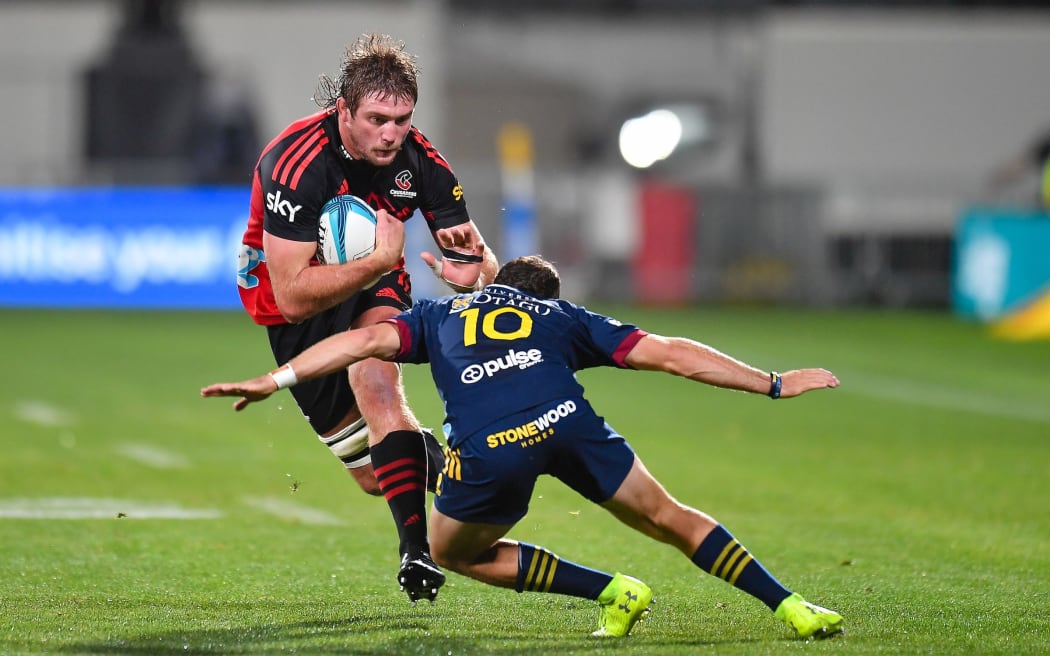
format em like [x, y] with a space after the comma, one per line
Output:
[915, 499]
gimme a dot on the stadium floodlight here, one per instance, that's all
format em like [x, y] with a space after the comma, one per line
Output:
[645, 140]
[654, 136]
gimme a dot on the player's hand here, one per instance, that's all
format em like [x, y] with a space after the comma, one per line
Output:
[460, 276]
[463, 237]
[800, 381]
[390, 240]
[250, 391]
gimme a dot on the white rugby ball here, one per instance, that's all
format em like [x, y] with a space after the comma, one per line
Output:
[346, 230]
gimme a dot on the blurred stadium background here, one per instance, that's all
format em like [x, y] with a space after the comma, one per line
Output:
[819, 192]
[822, 153]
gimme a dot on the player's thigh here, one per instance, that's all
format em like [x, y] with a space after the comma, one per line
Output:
[380, 397]
[377, 384]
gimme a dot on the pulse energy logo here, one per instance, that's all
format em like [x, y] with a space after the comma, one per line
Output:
[512, 360]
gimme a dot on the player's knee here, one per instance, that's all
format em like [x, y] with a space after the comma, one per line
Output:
[679, 525]
[377, 382]
[668, 520]
[445, 559]
[441, 549]
[376, 377]
[440, 556]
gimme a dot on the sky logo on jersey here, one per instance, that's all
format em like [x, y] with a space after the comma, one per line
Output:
[512, 360]
[282, 207]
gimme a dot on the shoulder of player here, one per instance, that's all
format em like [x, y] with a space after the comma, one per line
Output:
[422, 152]
[296, 133]
[300, 150]
[583, 315]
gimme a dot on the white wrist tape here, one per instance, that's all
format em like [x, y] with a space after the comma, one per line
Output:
[437, 267]
[284, 376]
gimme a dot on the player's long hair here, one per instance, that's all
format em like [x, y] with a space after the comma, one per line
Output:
[374, 63]
[531, 274]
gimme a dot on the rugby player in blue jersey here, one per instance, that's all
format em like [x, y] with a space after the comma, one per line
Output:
[504, 360]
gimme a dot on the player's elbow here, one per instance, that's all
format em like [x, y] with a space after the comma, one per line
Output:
[294, 310]
[294, 314]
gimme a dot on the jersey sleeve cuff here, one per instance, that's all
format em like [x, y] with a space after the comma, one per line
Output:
[404, 334]
[620, 354]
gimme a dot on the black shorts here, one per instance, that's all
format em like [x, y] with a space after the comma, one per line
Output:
[326, 400]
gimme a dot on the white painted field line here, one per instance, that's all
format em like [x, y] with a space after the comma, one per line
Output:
[288, 510]
[97, 508]
[42, 413]
[916, 393]
[153, 456]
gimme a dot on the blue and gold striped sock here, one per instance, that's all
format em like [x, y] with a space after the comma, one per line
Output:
[721, 555]
[541, 571]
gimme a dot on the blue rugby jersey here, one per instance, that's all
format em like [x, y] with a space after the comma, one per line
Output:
[499, 351]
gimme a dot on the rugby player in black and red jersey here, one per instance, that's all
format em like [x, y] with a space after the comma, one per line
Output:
[363, 143]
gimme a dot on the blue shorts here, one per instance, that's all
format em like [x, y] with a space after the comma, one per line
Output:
[489, 477]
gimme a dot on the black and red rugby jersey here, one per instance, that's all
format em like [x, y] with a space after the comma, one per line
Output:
[305, 166]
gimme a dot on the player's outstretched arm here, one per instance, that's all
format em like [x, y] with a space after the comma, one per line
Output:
[329, 355]
[702, 363]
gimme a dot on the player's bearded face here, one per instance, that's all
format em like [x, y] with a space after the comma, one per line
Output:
[377, 129]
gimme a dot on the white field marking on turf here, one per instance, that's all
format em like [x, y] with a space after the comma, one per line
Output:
[907, 391]
[42, 413]
[97, 508]
[153, 456]
[288, 510]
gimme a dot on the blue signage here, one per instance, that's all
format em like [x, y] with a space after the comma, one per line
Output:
[1001, 261]
[121, 248]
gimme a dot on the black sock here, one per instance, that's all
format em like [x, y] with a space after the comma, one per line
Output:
[721, 555]
[400, 465]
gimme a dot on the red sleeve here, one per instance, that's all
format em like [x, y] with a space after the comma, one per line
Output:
[620, 354]
[404, 333]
